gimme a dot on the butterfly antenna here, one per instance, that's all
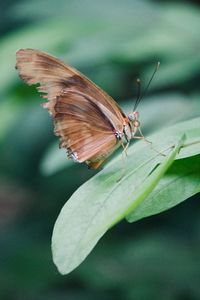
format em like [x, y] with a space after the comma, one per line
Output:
[138, 82]
[140, 96]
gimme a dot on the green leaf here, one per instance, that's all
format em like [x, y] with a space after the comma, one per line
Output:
[180, 182]
[102, 202]
[110, 195]
[163, 138]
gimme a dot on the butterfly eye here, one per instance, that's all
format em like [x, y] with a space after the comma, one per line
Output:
[136, 123]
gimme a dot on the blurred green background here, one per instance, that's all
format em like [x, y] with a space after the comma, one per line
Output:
[112, 42]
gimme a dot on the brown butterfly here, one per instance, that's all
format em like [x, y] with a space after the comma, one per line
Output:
[88, 121]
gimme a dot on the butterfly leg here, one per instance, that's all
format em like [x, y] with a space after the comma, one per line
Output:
[125, 148]
[124, 156]
[147, 141]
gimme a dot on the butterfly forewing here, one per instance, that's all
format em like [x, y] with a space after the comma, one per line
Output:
[85, 117]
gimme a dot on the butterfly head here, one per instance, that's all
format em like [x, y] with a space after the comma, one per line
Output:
[133, 119]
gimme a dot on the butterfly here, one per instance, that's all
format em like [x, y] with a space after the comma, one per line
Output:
[90, 124]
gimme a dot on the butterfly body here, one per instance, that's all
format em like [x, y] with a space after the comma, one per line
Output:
[90, 124]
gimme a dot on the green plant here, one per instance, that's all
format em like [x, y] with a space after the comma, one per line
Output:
[151, 184]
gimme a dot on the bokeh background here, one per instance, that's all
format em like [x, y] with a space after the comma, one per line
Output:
[113, 42]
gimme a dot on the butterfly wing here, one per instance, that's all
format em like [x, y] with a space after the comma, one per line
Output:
[85, 117]
[84, 129]
[54, 76]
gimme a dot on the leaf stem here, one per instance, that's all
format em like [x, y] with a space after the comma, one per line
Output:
[189, 144]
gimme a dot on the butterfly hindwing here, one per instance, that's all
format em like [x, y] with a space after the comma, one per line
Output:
[83, 129]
